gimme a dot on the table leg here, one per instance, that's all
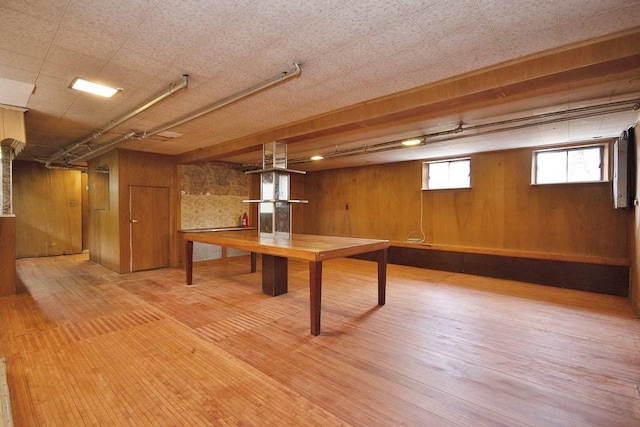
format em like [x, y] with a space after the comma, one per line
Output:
[382, 276]
[315, 295]
[254, 257]
[188, 260]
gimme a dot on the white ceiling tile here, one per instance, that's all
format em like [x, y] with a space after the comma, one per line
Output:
[52, 96]
[209, 14]
[599, 25]
[51, 10]
[365, 17]
[413, 6]
[11, 59]
[573, 10]
[92, 42]
[63, 63]
[397, 38]
[27, 34]
[448, 19]
[108, 18]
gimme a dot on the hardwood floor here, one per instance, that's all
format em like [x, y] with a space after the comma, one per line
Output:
[86, 346]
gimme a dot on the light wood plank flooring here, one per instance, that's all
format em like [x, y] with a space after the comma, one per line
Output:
[86, 346]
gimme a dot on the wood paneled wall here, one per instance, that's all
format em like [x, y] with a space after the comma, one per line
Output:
[109, 228]
[48, 208]
[104, 224]
[152, 170]
[12, 124]
[501, 210]
[7, 255]
[634, 246]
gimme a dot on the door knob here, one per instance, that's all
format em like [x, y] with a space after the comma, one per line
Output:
[134, 221]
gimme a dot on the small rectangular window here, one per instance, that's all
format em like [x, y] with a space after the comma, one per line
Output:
[444, 174]
[568, 165]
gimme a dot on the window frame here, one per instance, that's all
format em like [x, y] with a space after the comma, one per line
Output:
[604, 163]
[425, 173]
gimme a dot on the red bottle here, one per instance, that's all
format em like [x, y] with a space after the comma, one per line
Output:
[245, 220]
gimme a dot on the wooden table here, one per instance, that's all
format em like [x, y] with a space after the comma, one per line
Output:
[276, 251]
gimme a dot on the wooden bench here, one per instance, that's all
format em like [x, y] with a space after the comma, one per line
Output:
[605, 275]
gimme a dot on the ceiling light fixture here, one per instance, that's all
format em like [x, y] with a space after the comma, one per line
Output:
[316, 157]
[412, 142]
[94, 88]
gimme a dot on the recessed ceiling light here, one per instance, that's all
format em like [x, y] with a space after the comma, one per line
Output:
[411, 142]
[317, 157]
[94, 88]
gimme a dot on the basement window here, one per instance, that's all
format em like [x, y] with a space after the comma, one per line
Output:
[570, 165]
[446, 174]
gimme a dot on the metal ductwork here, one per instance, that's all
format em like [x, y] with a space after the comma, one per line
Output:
[175, 87]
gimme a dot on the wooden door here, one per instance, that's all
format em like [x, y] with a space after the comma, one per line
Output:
[150, 227]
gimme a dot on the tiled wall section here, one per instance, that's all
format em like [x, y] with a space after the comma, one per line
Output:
[211, 196]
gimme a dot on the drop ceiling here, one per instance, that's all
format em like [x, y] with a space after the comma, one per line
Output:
[369, 68]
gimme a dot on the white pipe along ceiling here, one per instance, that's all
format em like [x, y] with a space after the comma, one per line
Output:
[73, 158]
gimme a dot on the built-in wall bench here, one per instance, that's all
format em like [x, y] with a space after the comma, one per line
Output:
[582, 272]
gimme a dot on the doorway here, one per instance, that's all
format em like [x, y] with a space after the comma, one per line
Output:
[149, 226]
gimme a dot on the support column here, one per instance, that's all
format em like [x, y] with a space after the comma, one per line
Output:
[8, 150]
[274, 275]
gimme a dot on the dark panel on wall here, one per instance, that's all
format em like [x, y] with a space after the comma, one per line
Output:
[600, 278]
[605, 279]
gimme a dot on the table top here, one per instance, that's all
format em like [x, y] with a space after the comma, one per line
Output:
[309, 247]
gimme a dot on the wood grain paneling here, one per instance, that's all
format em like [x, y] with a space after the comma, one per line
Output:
[148, 170]
[104, 224]
[501, 210]
[12, 124]
[84, 188]
[109, 234]
[364, 202]
[48, 208]
[7, 255]
[634, 232]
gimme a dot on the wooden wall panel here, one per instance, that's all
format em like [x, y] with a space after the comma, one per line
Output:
[84, 188]
[501, 210]
[7, 255]
[364, 202]
[148, 169]
[104, 224]
[570, 218]
[634, 244]
[48, 208]
[12, 124]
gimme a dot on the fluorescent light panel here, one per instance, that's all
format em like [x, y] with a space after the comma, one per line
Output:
[412, 142]
[316, 157]
[94, 88]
